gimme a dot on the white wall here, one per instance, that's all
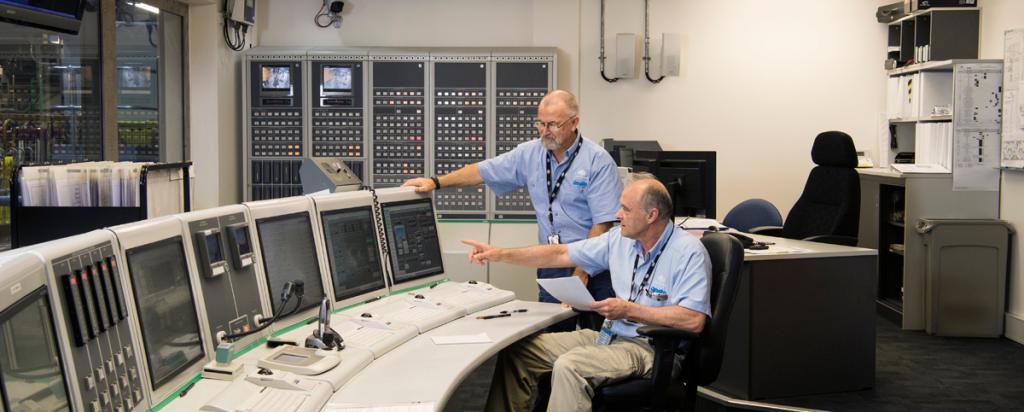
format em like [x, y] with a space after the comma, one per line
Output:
[998, 16]
[759, 80]
[214, 116]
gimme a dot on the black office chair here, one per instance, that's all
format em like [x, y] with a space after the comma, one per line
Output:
[828, 210]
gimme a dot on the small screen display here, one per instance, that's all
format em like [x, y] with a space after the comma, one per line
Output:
[213, 249]
[412, 239]
[241, 235]
[134, 77]
[291, 359]
[352, 251]
[277, 78]
[167, 313]
[337, 78]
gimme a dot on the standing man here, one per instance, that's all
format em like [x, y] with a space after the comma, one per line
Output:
[573, 183]
[662, 277]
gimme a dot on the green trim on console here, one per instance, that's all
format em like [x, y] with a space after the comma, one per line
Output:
[176, 394]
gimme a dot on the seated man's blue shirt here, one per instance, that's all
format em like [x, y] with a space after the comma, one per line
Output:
[682, 276]
[588, 195]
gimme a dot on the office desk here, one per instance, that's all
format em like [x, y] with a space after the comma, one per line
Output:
[803, 322]
[420, 371]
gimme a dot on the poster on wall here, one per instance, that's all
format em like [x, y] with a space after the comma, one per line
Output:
[976, 153]
[1012, 153]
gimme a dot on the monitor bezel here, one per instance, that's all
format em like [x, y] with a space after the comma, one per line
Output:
[172, 377]
[420, 279]
[343, 299]
[308, 304]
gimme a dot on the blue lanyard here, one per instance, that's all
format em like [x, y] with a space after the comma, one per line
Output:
[553, 192]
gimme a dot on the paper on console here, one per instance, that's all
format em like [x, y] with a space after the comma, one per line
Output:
[568, 290]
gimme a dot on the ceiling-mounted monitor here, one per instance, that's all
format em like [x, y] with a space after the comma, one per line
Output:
[62, 16]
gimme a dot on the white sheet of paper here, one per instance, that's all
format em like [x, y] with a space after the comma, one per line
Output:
[460, 339]
[568, 290]
[383, 407]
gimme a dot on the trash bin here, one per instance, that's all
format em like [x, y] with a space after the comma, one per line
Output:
[965, 263]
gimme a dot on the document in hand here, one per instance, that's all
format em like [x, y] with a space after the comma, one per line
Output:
[568, 290]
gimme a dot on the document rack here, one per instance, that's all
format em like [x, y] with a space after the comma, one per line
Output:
[37, 224]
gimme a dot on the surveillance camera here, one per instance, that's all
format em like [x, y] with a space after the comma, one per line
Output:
[336, 6]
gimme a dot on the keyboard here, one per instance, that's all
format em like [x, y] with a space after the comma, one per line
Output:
[279, 400]
[366, 336]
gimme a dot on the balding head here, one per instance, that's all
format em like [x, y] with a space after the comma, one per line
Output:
[653, 195]
[561, 99]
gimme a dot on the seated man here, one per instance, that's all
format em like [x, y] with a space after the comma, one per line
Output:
[661, 276]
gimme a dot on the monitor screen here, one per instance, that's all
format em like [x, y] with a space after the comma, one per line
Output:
[412, 239]
[213, 249]
[277, 77]
[167, 313]
[352, 251]
[134, 77]
[241, 235]
[337, 78]
[289, 253]
[32, 375]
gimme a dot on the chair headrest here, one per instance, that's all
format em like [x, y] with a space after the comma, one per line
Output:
[835, 149]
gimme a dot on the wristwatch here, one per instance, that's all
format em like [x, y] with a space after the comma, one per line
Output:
[437, 182]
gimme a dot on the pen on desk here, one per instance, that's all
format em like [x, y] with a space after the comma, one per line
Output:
[513, 311]
[500, 315]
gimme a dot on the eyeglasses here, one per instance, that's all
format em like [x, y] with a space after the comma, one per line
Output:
[551, 125]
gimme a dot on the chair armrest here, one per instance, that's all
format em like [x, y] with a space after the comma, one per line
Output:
[766, 230]
[834, 239]
[666, 342]
[662, 332]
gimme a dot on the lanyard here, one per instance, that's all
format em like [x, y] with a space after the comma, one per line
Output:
[553, 191]
[634, 292]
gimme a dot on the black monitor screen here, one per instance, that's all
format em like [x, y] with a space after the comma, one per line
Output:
[167, 313]
[352, 251]
[32, 375]
[688, 176]
[337, 78]
[412, 239]
[289, 253]
[276, 77]
[134, 77]
[213, 249]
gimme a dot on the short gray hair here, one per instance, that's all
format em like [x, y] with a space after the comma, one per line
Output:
[572, 107]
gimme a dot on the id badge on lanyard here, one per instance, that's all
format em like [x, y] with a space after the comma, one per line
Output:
[554, 239]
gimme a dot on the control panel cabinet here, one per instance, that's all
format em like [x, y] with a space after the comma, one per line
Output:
[274, 126]
[460, 131]
[399, 119]
[338, 113]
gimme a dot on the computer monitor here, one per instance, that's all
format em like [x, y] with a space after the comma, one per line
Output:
[276, 77]
[337, 78]
[623, 151]
[289, 253]
[167, 312]
[688, 176]
[31, 363]
[352, 251]
[134, 78]
[411, 232]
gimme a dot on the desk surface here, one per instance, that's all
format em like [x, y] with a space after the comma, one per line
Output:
[420, 371]
[801, 249]
[416, 371]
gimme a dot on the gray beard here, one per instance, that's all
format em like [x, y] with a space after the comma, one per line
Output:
[551, 145]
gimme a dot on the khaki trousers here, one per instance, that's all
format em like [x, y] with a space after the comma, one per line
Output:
[577, 366]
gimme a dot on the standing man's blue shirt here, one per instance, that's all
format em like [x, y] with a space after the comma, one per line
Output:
[589, 194]
[682, 276]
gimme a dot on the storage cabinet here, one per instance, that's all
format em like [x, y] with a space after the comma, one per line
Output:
[933, 34]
